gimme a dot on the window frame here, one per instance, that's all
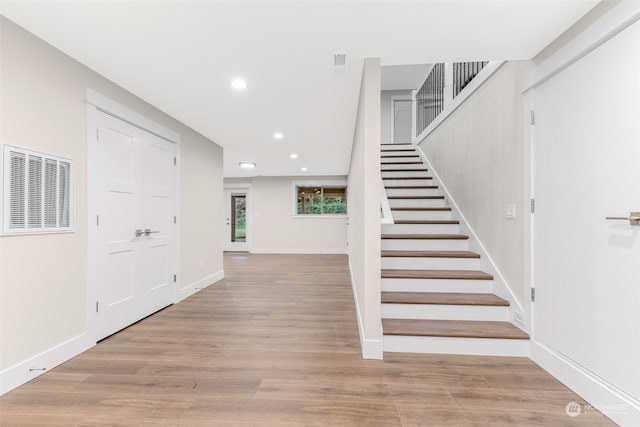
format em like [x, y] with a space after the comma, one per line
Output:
[341, 183]
[6, 229]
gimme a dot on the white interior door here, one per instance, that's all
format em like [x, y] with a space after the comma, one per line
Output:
[158, 208]
[586, 269]
[135, 231]
[236, 220]
[402, 109]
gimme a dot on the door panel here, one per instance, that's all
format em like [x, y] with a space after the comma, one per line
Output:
[236, 226]
[587, 155]
[119, 146]
[136, 176]
[402, 121]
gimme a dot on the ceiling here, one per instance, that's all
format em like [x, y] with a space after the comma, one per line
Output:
[403, 77]
[182, 55]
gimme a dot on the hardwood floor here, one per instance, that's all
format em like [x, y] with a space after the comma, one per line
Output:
[276, 344]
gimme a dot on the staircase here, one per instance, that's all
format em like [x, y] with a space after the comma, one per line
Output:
[434, 297]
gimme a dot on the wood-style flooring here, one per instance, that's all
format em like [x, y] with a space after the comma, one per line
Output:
[276, 344]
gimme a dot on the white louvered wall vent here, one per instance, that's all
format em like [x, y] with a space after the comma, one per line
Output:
[37, 192]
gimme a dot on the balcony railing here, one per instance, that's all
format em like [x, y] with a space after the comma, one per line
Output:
[443, 83]
[463, 73]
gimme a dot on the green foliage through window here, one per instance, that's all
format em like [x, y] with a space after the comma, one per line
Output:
[322, 200]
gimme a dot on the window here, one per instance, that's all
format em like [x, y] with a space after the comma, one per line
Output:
[321, 200]
[37, 196]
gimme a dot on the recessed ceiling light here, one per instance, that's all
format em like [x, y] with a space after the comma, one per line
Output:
[293, 156]
[303, 169]
[278, 135]
[238, 84]
[247, 165]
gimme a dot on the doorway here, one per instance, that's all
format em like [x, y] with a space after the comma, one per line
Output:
[133, 224]
[236, 220]
[401, 122]
[585, 171]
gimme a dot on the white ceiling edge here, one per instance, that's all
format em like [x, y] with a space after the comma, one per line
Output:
[180, 56]
[403, 77]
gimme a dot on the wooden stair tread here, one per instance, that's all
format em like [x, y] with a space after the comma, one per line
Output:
[415, 197]
[452, 328]
[405, 170]
[407, 177]
[425, 236]
[426, 221]
[443, 298]
[435, 274]
[402, 163]
[421, 209]
[430, 254]
[399, 155]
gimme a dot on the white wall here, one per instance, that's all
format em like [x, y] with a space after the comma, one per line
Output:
[43, 277]
[274, 228]
[477, 152]
[385, 113]
[364, 212]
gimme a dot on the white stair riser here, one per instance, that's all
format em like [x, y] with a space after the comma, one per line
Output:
[437, 285]
[423, 245]
[416, 203]
[405, 165]
[426, 215]
[420, 228]
[429, 263]
[399, 159]
[400, 151]
[405, 182]
[414, 192]
[444, 345]
[445, 312]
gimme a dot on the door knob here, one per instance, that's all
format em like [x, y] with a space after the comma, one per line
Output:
[633, 218]
[148, 232]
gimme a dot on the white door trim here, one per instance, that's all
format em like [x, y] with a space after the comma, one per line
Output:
[130, 116]
[99, 103]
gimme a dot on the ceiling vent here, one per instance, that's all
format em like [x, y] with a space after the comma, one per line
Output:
[340, 60]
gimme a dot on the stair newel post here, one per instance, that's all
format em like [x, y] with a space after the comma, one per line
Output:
[414, 116]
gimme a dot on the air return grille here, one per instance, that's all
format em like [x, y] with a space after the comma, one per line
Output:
[37, 192]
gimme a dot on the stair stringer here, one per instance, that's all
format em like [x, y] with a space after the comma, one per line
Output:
[500, 286]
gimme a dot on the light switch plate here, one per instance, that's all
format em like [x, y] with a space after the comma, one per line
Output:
[510, 211]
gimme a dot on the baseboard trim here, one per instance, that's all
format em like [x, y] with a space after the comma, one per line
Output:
[301, 251]
[20, 373]
[620, 407]
[371, 349]
[198, 285]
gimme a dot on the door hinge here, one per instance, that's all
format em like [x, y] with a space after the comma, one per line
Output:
[533, 205]
[97, 220]
[96, 306]
[533, 117]
[175, 219]
[175, 277]
[97, 133]
[533, 294]
[175, 162]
